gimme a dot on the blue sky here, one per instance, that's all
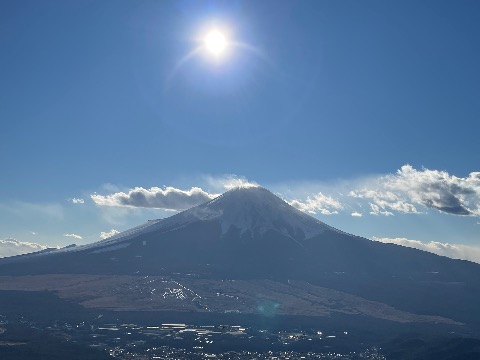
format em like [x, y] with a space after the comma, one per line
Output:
[340, 107]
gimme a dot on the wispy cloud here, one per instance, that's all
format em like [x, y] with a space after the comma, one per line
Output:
[12, 247]
[356, 214]
[324, 204]
[228, 182]
[106, 234]
[26, 209]
[376, 210]
[167, 198]
[455, 251]
[77, 201]
[383, 202]
[75, 236]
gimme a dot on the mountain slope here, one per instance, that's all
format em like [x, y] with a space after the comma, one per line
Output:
[249, 233]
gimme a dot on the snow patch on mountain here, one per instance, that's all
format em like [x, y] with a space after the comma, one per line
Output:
[257, 210]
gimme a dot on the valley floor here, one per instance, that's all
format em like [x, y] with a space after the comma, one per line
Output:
[192, 294]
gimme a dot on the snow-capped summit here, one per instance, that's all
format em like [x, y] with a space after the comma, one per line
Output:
[256, 210]
[252, 211]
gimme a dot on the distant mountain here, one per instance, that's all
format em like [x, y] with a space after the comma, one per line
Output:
[251, 234]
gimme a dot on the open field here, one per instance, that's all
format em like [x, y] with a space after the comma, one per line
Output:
[190, 294]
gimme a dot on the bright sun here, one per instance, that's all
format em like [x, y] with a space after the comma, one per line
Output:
[215, 42]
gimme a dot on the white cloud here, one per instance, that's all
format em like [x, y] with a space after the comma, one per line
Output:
[409, 188]
[12, 247]
[235, 182]
[167, 198]
[356, 214]
[438, 189]
[455, 251]
[77, 201]
[377, 211]
[324, 204]
[228, 182]
[106, 234]
[408, 191]
[383, 202]
[75, 236]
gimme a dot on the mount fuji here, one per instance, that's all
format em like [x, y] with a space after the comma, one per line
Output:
[252, 239]
[233, 229]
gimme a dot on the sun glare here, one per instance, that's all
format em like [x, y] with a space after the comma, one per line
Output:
[215, 42]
